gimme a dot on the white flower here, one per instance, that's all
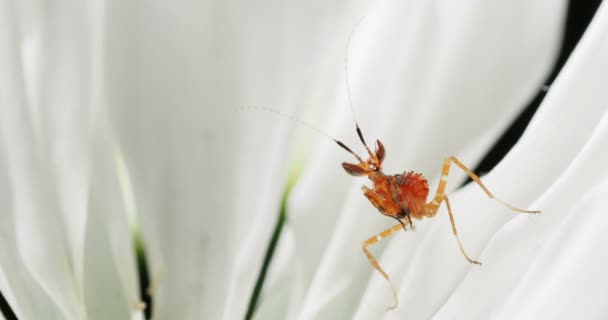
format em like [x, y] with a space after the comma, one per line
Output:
[113, 110]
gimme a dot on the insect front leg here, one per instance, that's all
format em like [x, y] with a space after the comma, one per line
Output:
[375, 263]
[384, 204]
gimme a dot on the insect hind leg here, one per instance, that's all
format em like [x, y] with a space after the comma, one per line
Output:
[444, 174]
[444, 198]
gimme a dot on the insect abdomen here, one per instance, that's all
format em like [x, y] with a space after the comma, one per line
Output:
[413, 190]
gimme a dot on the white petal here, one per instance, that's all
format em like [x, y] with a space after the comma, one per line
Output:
[53, 93]
[207, 177]
[110, 281]
[554, 146]
[427, 68]
[565, 278]
[35, 261]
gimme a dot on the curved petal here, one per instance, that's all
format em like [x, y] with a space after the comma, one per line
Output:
[565, 150]
[436, 93]
[571, 253]
[51, 214]
[207, 176]
[34, 249]
[566, 279]
[110, 284]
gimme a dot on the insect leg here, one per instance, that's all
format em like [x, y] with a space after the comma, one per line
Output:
[385, 205]
[444, 178]
[375, 263]
[444, 198]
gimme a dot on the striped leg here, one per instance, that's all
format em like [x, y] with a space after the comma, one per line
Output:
[444, 179]
[455, 232]
[375, 263]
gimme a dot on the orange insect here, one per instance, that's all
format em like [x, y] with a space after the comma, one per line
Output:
[404, 196]
[399, 196]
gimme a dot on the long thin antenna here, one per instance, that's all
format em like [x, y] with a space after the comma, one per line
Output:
[304, 123]
[290, 117]
[346, 49]
[350, 100]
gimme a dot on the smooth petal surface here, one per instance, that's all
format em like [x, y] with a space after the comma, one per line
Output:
[207, 176]
[35, 260]
[425, 79]
[110, 280]
[566, 280]
[58, 256]
[566, 139]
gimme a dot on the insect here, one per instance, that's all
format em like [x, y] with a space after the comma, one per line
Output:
[403, 196]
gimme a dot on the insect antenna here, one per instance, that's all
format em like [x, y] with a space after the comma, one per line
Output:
[350, 100]
[295, 119]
